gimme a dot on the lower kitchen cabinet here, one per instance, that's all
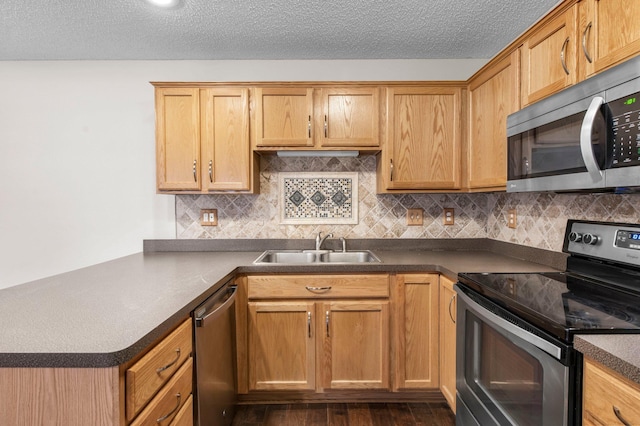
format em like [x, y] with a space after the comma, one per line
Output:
[448, 341]
[416, 331]
[317, 333]
[608, 398]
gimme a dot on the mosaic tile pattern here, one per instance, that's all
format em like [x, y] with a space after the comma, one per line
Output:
[542, 217]
[317, 198]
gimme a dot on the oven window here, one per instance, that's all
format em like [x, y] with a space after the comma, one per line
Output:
[504, 376]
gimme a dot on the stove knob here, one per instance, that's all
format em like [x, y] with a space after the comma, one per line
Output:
[574, 237]
[590, 239]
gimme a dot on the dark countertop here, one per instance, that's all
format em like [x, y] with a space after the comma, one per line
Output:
[619, 352]
[105, 314]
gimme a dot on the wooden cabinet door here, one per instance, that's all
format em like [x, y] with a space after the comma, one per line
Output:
[493, 95]
[423, 139]
[610, 33]
[448, 341]
[349, 117]
[549, 58]
[416, 331]
[177, 139]
[226, 152]
[281, 346]
[355, 344]
[284, 117]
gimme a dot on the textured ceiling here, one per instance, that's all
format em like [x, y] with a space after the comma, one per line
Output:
[269, 29]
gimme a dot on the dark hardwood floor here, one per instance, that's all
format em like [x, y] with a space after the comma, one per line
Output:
[353, 414]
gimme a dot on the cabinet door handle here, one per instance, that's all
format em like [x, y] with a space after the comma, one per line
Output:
[450, 303]
[326, 127]
[562, 54]
[326, 320]
[170, 413]
[195, 167]
[391, 169]
[309, 126]
[309, 323]
[313, 289]
[586, 31]
[211, 171]
[618, 414]
[161, 369]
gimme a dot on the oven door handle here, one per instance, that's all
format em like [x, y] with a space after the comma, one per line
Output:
[501, 323]
[586, 131]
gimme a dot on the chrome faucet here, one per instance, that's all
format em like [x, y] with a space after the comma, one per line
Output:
[344, 244]
[320, 239]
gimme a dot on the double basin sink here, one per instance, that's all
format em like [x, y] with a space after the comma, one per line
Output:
[315, 257]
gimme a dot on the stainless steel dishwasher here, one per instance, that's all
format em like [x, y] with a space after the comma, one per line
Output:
[215, 358]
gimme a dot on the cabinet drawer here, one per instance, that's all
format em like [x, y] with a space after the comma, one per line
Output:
[317, 286]
[185, 415]
[147, 376]
[606, 391]
[170, 399]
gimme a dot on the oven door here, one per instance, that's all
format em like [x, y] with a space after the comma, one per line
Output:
[505, 374]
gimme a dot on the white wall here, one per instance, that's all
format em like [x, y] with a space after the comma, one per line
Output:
[77, 154]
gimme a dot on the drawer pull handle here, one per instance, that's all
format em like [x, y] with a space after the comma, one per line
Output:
[618, 414]
[170, 413]
[161, 369]
[318, 288]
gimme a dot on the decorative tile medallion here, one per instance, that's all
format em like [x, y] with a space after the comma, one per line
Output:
[316, 198]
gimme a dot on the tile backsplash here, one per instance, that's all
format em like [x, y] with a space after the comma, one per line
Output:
[541, 217]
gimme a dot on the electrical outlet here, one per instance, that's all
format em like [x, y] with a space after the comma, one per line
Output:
[449, 216]
[209, 217]
[512, 218]
[414, 217]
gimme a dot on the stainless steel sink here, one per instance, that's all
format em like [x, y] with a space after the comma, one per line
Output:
[316, 257]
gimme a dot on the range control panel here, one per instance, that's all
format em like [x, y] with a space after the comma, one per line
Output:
[626, 130]
[618, 242]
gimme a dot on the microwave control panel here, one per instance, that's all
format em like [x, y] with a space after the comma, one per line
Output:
[626, 131]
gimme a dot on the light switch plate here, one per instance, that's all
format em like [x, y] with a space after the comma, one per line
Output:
[209, 217]
[512, 218]
[415, 217]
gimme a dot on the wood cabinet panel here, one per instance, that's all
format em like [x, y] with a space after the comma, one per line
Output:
[610, 33]
[283, 117]
[422, 151]
[493, 95]
[549, 57]
[448, 341]
[152, 371]
[416, 331]
[318, 286]
[356, 345]
[349, 117]
[281, 346]
[177, 138]
[165, 406]
[604, 393]
[226, 153]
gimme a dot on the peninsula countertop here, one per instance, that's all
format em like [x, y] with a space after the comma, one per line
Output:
[103, 315]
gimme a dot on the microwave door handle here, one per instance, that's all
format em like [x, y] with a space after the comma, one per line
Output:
[586, 131]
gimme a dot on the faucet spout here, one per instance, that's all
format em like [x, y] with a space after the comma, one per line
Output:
[320, 240]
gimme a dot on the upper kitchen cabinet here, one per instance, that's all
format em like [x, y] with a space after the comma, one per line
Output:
[549, 57]
[494, 93]
[177, 139]
[283, 117]
[610, 33]
[198, 131]
[422, 147]
[316, 118]
[349, 117]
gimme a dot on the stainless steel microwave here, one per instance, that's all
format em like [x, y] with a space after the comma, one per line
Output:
[584, 138]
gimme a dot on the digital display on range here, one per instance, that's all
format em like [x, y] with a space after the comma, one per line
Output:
[628, 239]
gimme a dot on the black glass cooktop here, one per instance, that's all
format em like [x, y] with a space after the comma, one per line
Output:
[560, 303]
